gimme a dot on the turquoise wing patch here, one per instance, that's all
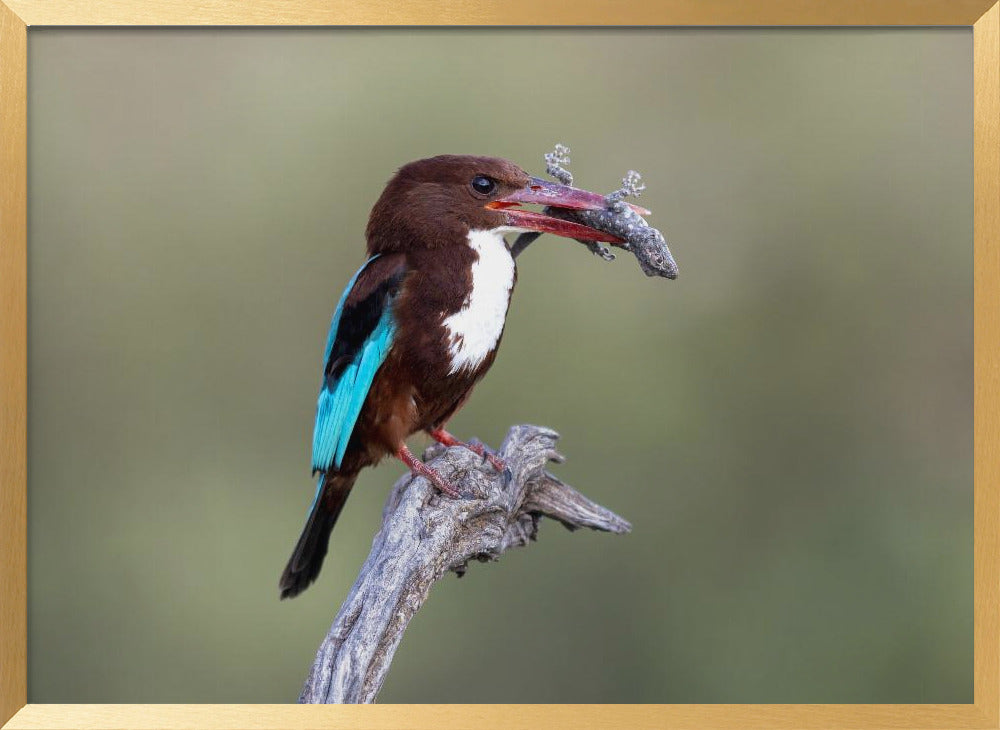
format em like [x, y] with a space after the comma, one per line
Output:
[341, 399]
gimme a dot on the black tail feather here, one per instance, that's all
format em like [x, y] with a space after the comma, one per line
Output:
[307, 557]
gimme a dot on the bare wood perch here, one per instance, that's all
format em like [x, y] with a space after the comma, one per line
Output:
[424, 535]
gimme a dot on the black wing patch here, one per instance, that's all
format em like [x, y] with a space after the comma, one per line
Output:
[375, 289]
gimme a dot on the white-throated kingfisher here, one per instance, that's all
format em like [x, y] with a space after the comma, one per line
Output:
[420, 322]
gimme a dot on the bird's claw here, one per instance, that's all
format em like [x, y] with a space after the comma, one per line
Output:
[496, 461]
[476, 447]
[419, 468]
[442, 484]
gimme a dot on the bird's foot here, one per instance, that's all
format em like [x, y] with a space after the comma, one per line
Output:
[443, 437]
[432, 475]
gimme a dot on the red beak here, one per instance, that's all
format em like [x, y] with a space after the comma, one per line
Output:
[543, 192]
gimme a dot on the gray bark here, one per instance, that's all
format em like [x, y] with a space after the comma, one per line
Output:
[425, 534]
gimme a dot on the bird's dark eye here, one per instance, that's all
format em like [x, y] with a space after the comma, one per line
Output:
[483, 185]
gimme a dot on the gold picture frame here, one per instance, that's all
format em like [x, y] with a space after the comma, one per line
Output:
[16, 16]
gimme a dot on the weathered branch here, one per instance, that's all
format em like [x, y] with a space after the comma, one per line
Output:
[425, 534]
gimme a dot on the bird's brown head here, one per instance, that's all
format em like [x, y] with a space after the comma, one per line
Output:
[435, 202]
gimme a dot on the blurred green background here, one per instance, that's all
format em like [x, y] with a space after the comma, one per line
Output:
[788, 425]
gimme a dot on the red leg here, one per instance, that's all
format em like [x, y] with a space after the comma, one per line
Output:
[419, 467]
[443, 437]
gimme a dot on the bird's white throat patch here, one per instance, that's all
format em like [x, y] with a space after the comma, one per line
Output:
[475, 329]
